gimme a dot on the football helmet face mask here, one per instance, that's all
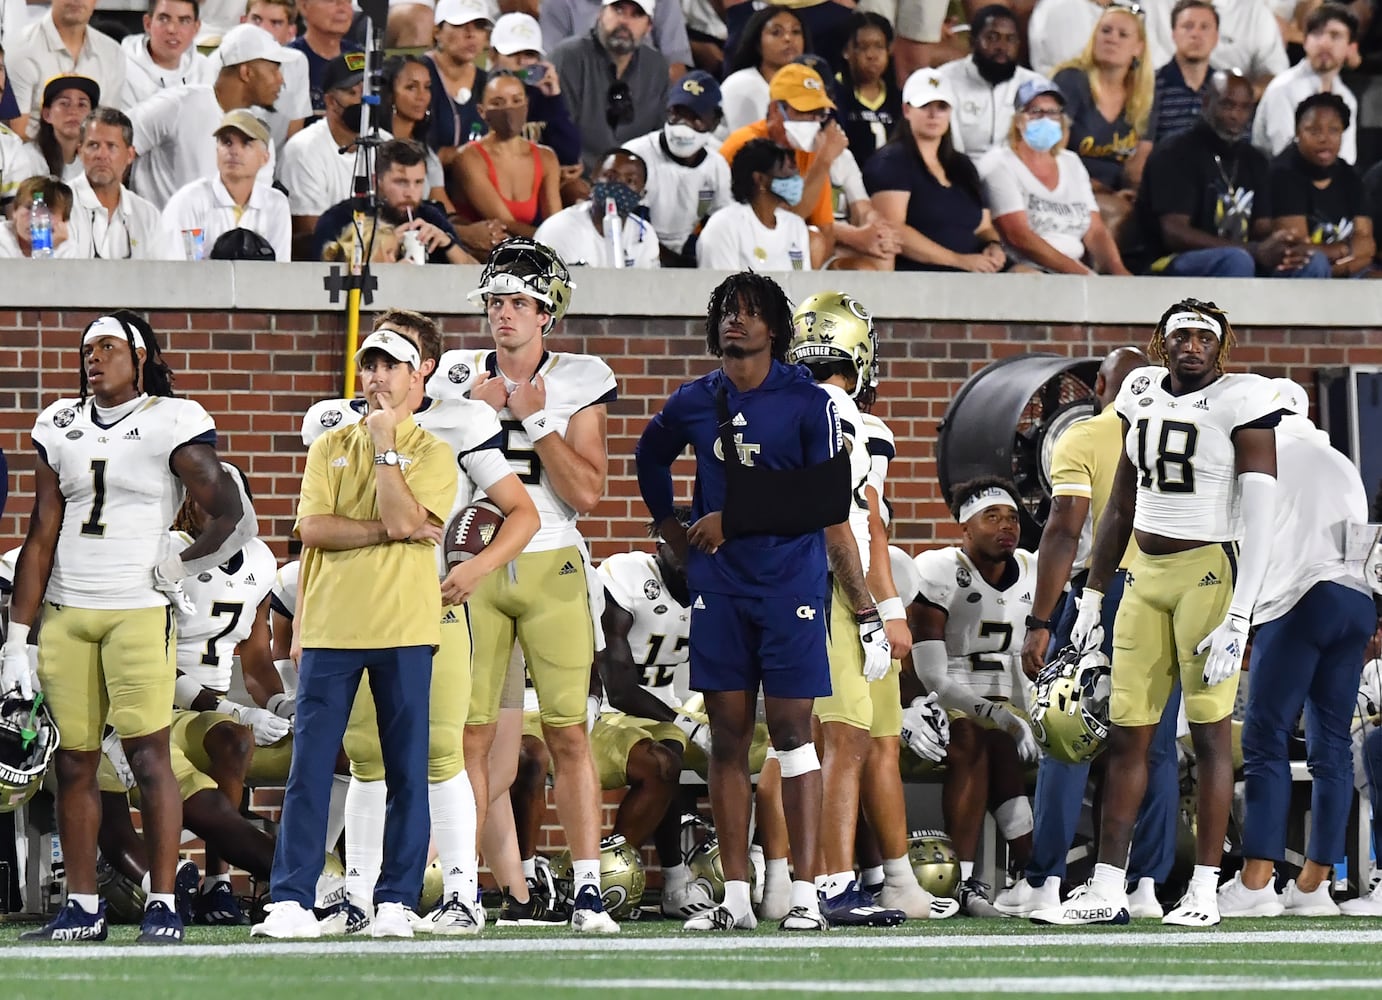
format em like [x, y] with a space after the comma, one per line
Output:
[1070, 706]
[521, 266]
[834, 326]
[935, 862]
[28, 738]
[622, 879]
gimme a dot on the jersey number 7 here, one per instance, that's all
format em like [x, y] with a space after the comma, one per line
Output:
[1172, 471]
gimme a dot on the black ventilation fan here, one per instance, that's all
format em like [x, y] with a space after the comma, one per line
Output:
[1005, 421]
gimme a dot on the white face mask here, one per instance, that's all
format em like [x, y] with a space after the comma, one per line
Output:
[802, 135]
[683, 140]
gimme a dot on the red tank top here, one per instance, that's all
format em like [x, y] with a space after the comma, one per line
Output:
[525, 211]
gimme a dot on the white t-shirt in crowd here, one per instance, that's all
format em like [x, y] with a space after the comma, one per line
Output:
[1059, 30]
[135, 231]
[1060, 217]
[1274, 124]
[984, 111]
[744, 98]
[144, 77]
[314, 170]
[205, 204]
[294, 99]
[734, 240]
[678, 196]
[572, 234]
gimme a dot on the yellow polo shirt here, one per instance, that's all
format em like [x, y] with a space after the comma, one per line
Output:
[1083, 464]
[379, 596]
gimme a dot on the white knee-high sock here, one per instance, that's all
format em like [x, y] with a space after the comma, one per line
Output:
[453, 830]
[335, 810]
[365, 805]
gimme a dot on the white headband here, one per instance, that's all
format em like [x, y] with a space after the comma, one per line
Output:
[109, 326]
[991, 496]
[1191, 321]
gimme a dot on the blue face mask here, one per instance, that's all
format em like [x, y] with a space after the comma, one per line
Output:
[788, 188]
[1042, 134]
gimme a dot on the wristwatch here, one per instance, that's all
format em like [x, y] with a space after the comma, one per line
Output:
[1033, 622]
[389, 457]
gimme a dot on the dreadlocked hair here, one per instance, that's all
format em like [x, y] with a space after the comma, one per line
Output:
[1156, 349]
[155, 377]
[681, 512]
[756, 295]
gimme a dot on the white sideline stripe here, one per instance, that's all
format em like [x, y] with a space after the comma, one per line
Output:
[689, 945]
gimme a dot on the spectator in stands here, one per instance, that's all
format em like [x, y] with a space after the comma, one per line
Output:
[1109, 91]
[1249, 38]
[61, 44]
[931, 191]
[563, 19]
[587, 234]
[870, 103]
[163, 56]
[463, 30]
[759, 232]
[14, 232]
[705, 27]
[825, 22]
[1204, 207]
[985, 83]
[1316, 194]
[405, 112]
[1331, 36]
[9, 107]
[924, 39]
[502, 175]
[410, 25]
[1039, 194]
[109, 221]
[235, 196]
[1181, 84]
[328, 25]
[688, 179]
[313, 169]
[773, 37]
[173, 130]
[67, 100]
[294, 104]
[1372, 206]
[1057, 32]
[615, 83]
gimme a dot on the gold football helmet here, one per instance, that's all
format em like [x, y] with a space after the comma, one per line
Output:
[935, 862]
[431, 889]
[28, 737]
[520, 265]
[834, 326]
[1070, 708]
[709, 873]
[622, 880]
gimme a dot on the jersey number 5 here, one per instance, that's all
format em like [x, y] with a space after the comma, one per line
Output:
[1172, 471]
[518, 456]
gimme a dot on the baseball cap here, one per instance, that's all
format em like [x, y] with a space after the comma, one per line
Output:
[646, 5]
[392, 343]
[801, 87]
[57, 84]
[246, 43]
[242, 121]
[1032, 89]
[459, 12]
[697, 90]
[516, 32]
[1293, 396]
[344, 72]
[925, 87]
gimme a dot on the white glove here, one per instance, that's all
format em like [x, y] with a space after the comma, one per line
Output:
[696, 731]
[1088, 633]
[1226, 645]
[115, 753]
[926, 728]
[592, 713]
[285, 706]
[268, 728]
[168, 576]
[16, 670]
[878, 652]
[1018, 728]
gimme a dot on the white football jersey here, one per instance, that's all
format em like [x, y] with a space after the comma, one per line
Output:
[661, 632]
[882, 450]
[1182, 446]
[857, 444]
[905, 575]
[574, 382]
[121, 495]
[227, 600]
[8, 561]
[284, 595]
[985, 626]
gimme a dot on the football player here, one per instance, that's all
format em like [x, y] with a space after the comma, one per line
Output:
[1082, 467]
[473, 434]
[1197, 473]
[1367, 770]
[112, 468]
[968, 621]
[1313, 620]
[552, 410]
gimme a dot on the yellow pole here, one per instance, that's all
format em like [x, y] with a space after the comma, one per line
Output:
[352, 340]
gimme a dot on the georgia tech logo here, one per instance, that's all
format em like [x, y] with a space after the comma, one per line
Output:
[746, 451]
[693, 87]
[806, 613]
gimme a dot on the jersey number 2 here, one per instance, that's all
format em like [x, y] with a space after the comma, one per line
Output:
[1172, 471]
[986, 661]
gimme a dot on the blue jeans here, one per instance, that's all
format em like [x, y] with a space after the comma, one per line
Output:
[1236, 262]
[1060, 786]
[1310, 657]
[400, 679]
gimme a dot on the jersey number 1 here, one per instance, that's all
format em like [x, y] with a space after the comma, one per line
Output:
[1172, 471]
[92, 526]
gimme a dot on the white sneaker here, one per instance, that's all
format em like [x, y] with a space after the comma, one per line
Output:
[1022, 899]
[1364, 906]
[586, 919]
[350, 916]
[799, 918]
[686, 900]
[453, 919]
[720, 918]
[287, 920]
[916, 902]
[1199, 907]
[1087, 905]
[392, 920]
[1309, 904]
[1142, 901]
[777, 897]
[1237, 900]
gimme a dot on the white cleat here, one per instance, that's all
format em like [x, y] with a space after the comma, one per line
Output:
[1087, 905]
[1364, 906]
[777, 897]
[799, 918]
[1142, 901]
[452, 919]
[1022, 899]
[1309, 904]
[287, 920]
[916, 902]
[588, 916]
[392, 920]
[1237, 900]
[1199, 907]
[686, 901]
[720, 918]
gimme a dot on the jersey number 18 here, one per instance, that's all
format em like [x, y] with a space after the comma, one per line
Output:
[1171, 471]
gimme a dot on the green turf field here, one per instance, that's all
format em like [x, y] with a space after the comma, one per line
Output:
[960, 958]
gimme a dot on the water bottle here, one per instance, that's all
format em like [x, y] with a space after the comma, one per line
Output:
[40, 228]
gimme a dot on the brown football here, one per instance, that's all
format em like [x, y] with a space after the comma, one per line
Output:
[470, 531]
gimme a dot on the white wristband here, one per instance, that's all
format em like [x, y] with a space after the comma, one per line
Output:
[230, 708]
[186, 690]
[18, 635]
[686, 724]
[537, 425]
[891, 609]
[275, 700]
